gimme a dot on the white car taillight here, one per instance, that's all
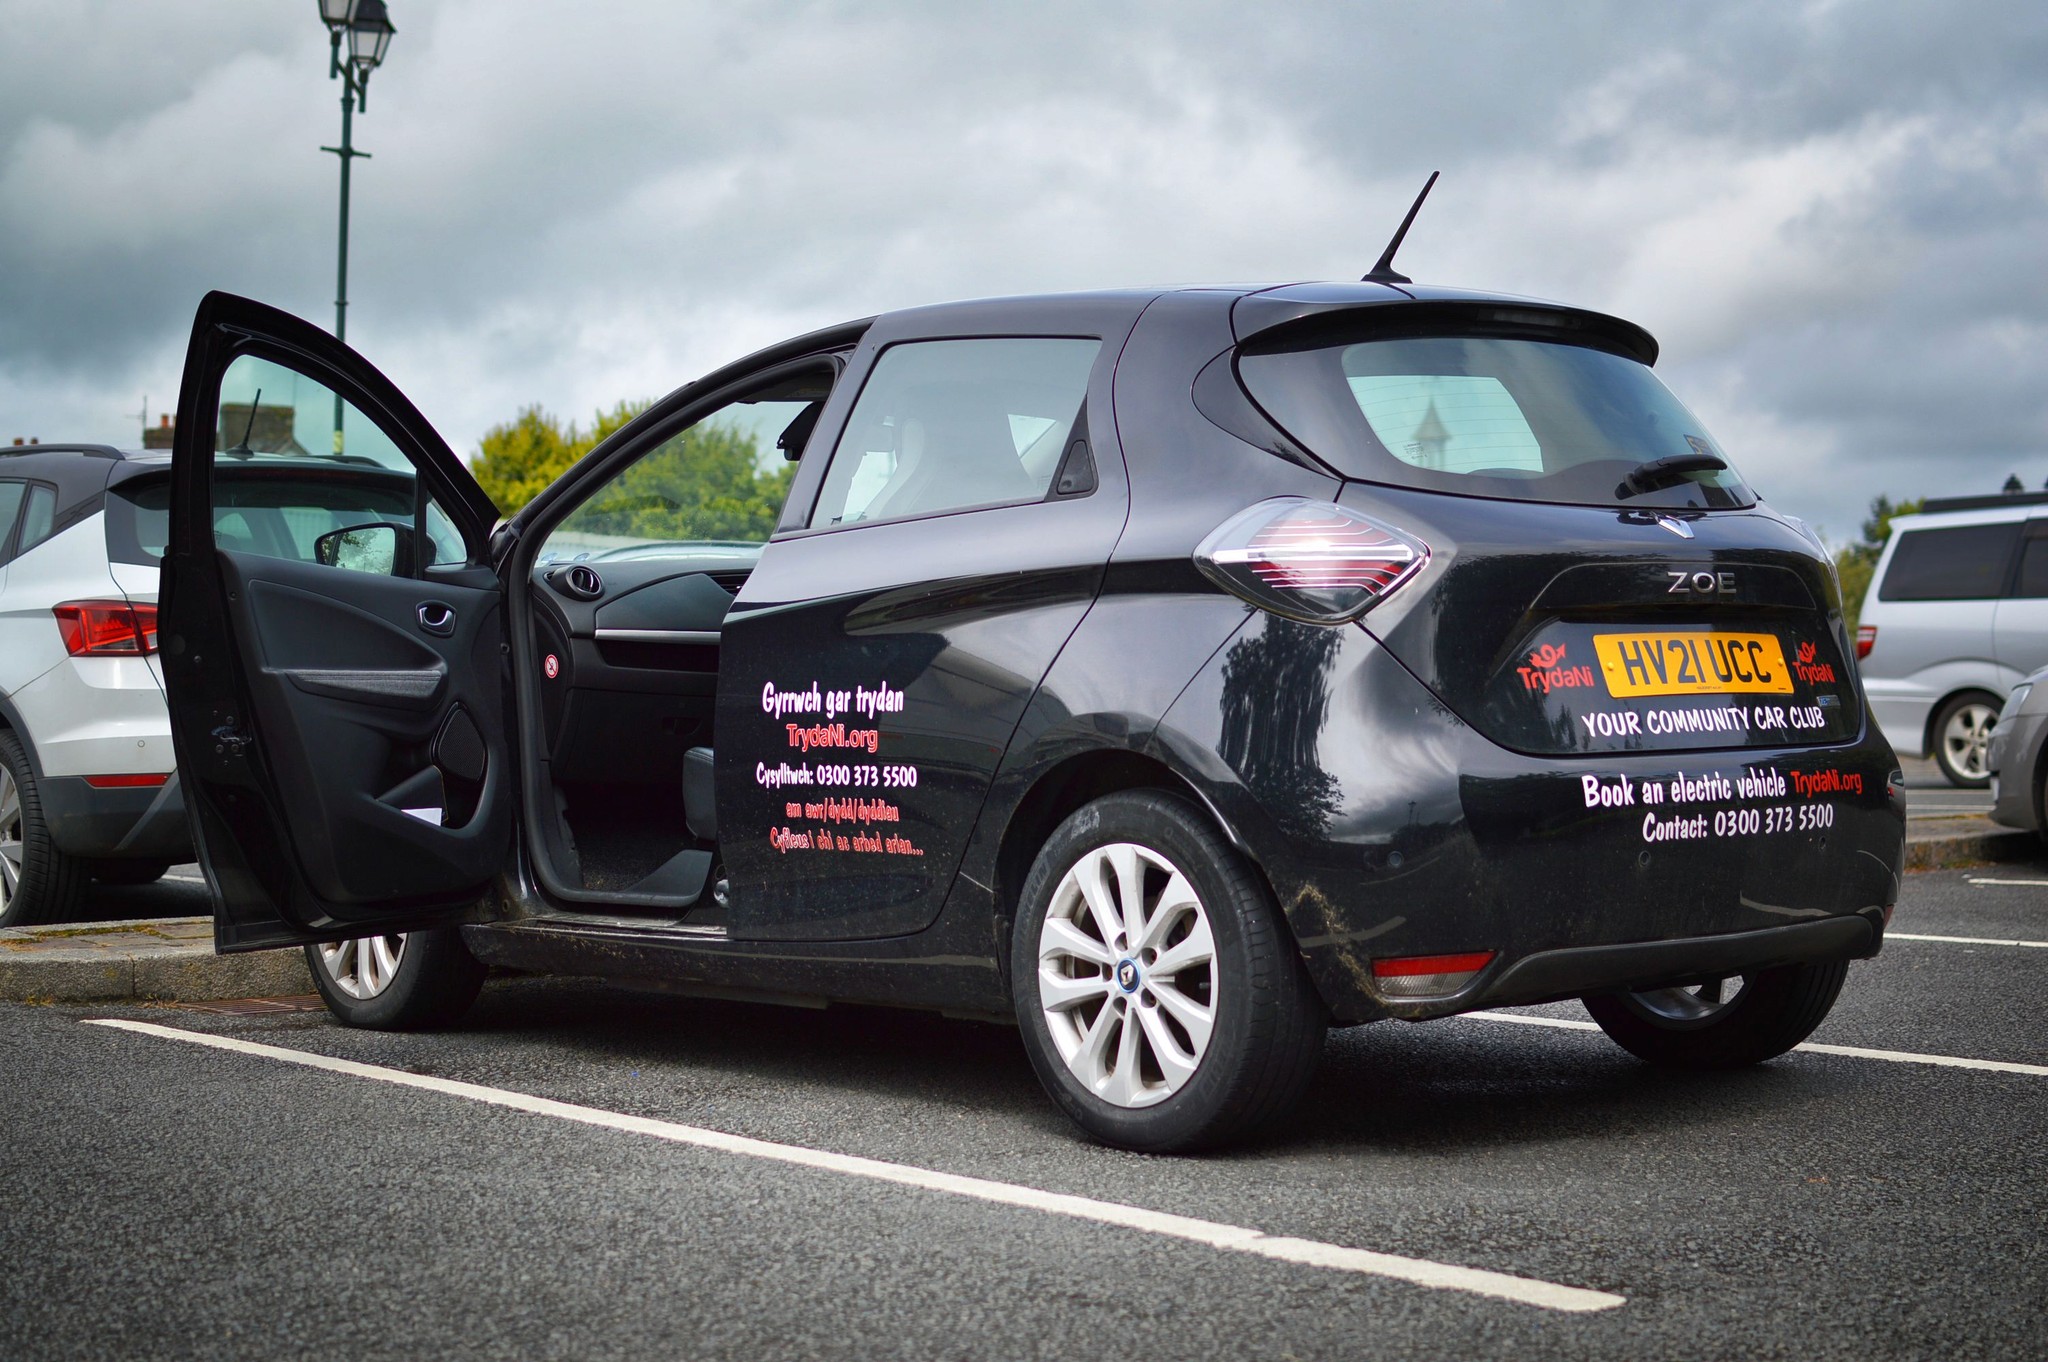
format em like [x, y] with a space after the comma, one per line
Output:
[106, 628]
[1309, 560]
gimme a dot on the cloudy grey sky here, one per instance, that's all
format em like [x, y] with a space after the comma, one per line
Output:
[1833, 214]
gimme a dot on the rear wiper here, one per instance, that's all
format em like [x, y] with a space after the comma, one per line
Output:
[1667, 470]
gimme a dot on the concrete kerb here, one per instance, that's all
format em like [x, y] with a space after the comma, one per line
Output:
[165, 959]
[1948, 843]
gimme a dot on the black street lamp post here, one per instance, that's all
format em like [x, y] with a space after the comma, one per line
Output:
[367, 26]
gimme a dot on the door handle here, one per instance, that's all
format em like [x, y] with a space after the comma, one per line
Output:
[437, 618]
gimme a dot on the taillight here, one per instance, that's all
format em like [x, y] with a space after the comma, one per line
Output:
[1866, 637]
[1309, 560]
[106, 628]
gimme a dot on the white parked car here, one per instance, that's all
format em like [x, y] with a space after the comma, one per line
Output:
[88, 785]
[1957, 616]
[87, 788]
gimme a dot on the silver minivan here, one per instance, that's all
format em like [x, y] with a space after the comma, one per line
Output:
[1957, 615]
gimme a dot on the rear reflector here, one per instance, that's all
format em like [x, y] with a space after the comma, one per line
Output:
[1428, 976]
[145, 781]
[1309, 560]
[106, 628]
[1866, 638]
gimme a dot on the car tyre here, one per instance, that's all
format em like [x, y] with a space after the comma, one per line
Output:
[1708, 1026]
[1160, 997]
[38, 883]
[410, 981]
[127, 873]
[1962, 739]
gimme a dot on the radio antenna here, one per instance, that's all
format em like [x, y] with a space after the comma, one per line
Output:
[242, 450]
[1383, 272]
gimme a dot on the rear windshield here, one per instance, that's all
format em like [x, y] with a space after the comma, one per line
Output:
[1965, 563]
[1483, 416]
[272, 514]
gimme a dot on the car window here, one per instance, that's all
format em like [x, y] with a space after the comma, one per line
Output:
[38, 519]
[275, 511]
[950, 425]
[1454, 422]
[2033, 580]
[1487, 416]
[294, 464]
[270, 411]
[1965, 563]
[718, 483]
[11, 494]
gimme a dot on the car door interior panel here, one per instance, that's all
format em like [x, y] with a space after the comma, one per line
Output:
[373, 726]
[332, 640]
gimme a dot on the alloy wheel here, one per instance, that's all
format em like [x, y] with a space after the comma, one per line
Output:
[1127, 977]
[1966, 740]
[365, 967]
[10, 838]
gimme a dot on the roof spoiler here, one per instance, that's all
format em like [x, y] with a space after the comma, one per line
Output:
[1321, 315]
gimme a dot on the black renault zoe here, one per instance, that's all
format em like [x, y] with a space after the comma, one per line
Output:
[1179, 673]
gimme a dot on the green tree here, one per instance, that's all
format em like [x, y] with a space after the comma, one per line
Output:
[1854, 563]
[705, 483]
[524, 455]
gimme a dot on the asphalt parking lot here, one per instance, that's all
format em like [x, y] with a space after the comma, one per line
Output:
[171, 1199]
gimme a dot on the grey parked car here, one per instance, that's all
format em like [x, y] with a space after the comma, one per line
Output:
[2015, 757]
[1957, 614]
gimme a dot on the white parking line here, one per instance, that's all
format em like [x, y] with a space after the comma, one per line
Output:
[1999, 1066]
[1964, 940]
[1974, 879]
[1231, 1238]
[1561, 1023]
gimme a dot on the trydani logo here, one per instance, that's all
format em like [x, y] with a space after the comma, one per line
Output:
[1545, 674]
[1809, 669]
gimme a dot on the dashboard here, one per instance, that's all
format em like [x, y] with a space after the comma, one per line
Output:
[629, 657]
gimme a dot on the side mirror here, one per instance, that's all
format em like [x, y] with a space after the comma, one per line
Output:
[797, 433]
[381, 548]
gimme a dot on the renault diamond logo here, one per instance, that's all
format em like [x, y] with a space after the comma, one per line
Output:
[1675, 525]
[1127, 975]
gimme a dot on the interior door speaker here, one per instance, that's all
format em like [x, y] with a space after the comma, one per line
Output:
[459, 748]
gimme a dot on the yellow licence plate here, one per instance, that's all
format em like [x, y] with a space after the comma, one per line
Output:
[1705, 663]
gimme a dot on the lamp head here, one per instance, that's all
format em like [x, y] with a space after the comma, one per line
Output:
[369, 33]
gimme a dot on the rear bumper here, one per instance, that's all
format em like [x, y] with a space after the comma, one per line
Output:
[142, 823]
[1901, 715]
[1549, 976]
[91, 716]
[1392, 829]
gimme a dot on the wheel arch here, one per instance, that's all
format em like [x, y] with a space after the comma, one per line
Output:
[2037, 787]
[1934, 712]
[1066, 787]
[10, 720]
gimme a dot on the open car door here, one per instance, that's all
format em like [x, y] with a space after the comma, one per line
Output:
[331, 632]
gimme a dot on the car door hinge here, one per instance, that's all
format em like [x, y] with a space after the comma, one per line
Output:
[230, 741]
